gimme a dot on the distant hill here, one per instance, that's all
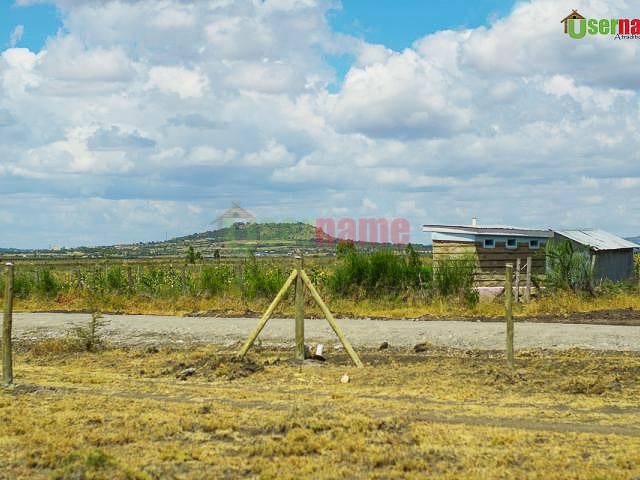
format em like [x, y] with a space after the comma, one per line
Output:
[237, 239]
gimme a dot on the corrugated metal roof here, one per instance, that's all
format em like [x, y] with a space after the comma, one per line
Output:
[496, 230]
[597, 239]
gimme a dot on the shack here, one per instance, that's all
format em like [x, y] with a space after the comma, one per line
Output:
[491, 245]
[613, 254]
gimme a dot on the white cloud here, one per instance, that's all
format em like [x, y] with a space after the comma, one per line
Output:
[179, 80]
[16, 35]
[274, 154]
[185, 106]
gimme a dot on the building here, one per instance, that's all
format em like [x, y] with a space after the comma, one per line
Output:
[613, 255]
[492, 245]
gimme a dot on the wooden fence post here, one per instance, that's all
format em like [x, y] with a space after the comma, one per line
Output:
[508, 309]
[7, 360]
[518, 267]
[184, 281]
[129, 278]
[267, 315]
[527, 292]
[332, 321]
[299, 312]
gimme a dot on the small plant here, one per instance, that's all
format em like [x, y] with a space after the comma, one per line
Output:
[193, 256]
[46, 284]
[216, 280]
[90, 337]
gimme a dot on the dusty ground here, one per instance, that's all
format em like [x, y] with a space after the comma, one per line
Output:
[143, 329]
[135, 413]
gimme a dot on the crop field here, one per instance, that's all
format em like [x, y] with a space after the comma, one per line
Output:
[197, 412]
[381, 284]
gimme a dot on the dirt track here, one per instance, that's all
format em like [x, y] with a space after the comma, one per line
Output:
[143, 329]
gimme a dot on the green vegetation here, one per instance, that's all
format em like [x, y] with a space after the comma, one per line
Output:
[569, 267]
[355, 282]
[379, 273]
[193, 255]
[90, 338]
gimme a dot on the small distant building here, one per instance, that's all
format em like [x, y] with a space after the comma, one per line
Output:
[613, 254]
[492, 245]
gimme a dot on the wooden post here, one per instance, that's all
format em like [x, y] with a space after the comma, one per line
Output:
[7, 360]
[518, 267]
[267, 315]
[184, 281]
[508, 310]
[79, 277]
[299, 312]
[130, 278]
[338, 331]
[527, 292]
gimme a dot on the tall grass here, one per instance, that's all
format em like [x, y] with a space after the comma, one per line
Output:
[454, 277]
[568, 267]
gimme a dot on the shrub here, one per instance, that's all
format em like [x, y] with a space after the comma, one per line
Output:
[379, 273]
[116, 279]
[216, 280]
[46, 284]
[161, 281]
[454, 277]
[568, 267]
[262, 280]
[90, 337]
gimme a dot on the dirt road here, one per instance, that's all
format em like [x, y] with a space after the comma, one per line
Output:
[146, 329]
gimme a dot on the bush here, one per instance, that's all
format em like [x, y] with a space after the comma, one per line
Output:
[90, 337]
[379, 273]
[46, 284]
[216, 280]
[568, 267]
[262, 280]
[161, 281]
[116, 279]
[455, 277]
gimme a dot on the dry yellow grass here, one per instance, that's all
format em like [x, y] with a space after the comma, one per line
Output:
[559, 304]
[440, 414]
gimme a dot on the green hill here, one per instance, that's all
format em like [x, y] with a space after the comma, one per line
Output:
[234, 240]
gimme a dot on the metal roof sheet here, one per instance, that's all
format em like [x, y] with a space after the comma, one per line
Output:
[597, 239]
[496, 230]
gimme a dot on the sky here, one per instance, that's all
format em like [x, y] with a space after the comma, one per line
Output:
[125, 121]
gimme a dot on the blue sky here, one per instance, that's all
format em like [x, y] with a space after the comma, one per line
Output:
[396, 24]
[129, 121]
[39, 21]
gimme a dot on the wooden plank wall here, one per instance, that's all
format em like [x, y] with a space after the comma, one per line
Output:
[491, 261]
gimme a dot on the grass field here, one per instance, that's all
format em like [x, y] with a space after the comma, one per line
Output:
[227, 289]
[437, 414]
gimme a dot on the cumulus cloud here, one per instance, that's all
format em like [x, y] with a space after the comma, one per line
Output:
[179, 80]
[163, 107]
[114, 138]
